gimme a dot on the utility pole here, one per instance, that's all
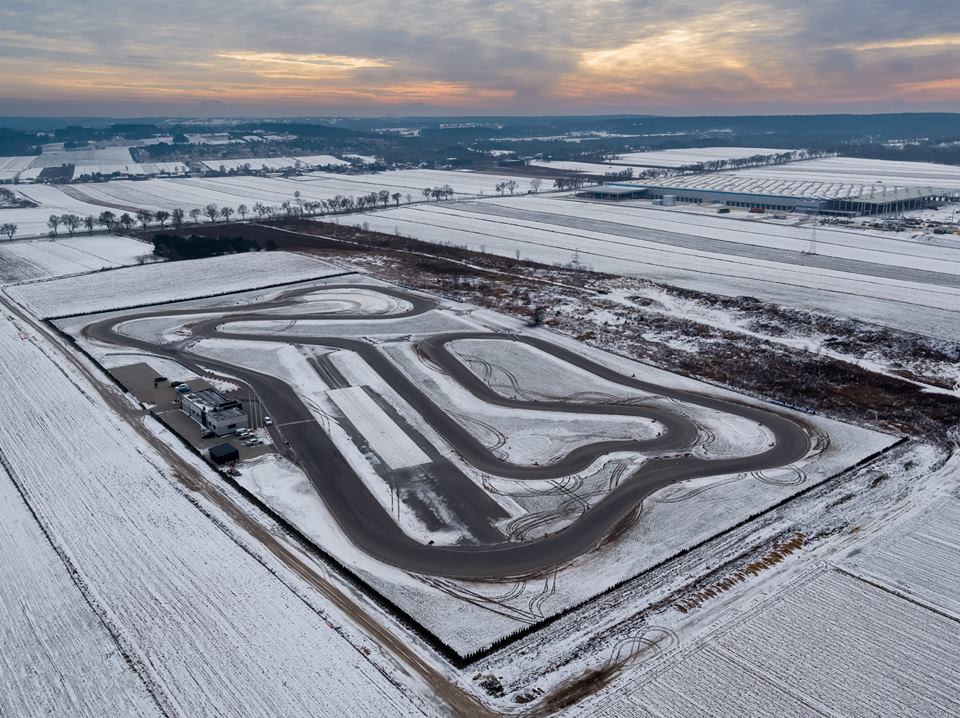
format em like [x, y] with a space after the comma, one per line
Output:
[813, 240]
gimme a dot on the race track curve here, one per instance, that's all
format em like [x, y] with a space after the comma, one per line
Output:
[372, 528]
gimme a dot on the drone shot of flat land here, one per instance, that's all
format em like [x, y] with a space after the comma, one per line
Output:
[593, 360]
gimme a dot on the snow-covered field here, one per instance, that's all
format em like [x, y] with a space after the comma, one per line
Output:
[690, 156]
[826, 645]
[594, 168]
[44, 259]
[882, 278]
[56, 655]
[107, 160]
[196, 192]
[209, 628]
[92, 158]
[274, 163]
[32, 221]
[920, 560]
[166, 282]
[10, 167]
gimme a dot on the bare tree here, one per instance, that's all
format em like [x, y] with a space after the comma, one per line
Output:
[427, 193]
[409, 198]
[107, 220]
[511, 186]
[125, 222]
[71, 222]
[144, 218]
[384, 197]
[396, 198]
[89, 222]
[9, 229]
[162, 216]
[242, 211]
[211, 210]
[54, 224]
[195, 215]
[225, 212]
[535, 184]
[177, 217]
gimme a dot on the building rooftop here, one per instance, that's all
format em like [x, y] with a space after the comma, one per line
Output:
[727, 183]
[211, 400]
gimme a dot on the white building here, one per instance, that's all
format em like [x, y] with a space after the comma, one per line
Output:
[214, 412]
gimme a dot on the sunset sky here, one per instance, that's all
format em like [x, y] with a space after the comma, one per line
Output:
[299, 57]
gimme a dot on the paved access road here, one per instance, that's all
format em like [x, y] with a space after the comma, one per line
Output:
[373, 529]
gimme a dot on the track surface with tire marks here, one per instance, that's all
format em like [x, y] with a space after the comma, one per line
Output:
[374, 530]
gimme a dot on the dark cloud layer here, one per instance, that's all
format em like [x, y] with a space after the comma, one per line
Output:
[373, 56]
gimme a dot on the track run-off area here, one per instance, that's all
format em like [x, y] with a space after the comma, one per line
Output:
[491, 554]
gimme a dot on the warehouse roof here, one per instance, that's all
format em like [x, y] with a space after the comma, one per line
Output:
[726, 183]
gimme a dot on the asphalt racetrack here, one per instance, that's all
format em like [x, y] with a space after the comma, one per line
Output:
[490, 554]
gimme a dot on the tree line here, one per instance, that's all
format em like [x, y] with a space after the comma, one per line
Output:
[175, 247]
[178, 217]
[296, 207]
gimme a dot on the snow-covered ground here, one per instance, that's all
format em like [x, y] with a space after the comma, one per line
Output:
[44, 259]
[469, 615]
[166, 282]
[56, 655]
[825, 645]
[32, 221]
[919, 559]
[10, 167]
[208, 627]
[878, 278]
[92, 158]
[196, 192]
[594, 168]
[691, 156]
[274, 163]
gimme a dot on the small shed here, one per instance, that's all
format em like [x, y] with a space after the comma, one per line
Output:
[223, 453]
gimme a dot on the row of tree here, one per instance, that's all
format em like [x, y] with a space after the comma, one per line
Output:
[297, 207]
[565, 183]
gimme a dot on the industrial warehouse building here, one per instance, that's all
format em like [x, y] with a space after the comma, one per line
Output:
[214, 412]
[828, 198]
